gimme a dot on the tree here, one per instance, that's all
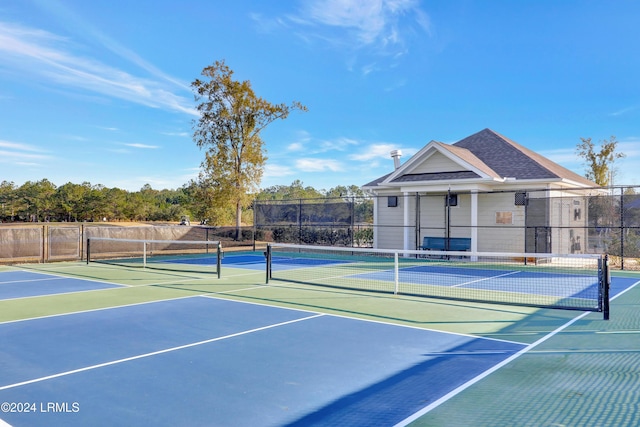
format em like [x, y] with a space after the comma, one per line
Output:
[115, 203]
[296, 190]
[71, 199]
[8, 200]
[600, 164]
[38, 199]
[229, 126]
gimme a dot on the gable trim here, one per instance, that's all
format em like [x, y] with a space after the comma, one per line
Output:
[432, 147]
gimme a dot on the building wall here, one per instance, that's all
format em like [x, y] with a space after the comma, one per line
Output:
[432, 216]
[389, 230]
[492, 236]
[501, 224]
[437, 163]
[569, 220]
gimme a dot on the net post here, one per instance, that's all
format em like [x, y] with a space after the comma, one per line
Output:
[88, 250]
[144, 254]
[605, 285]
[218, 258]
[267, 255]
[396, 273]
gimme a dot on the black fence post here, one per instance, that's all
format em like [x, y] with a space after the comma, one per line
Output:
[267, 255]
[621, 228]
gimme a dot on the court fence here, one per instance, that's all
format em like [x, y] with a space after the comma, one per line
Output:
[576, 221]
[68, 242]
[569, 221]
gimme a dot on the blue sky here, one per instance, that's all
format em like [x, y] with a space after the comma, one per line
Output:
[99, 91]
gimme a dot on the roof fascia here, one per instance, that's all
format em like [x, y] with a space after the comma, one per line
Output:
[426, 152]
[418, 157]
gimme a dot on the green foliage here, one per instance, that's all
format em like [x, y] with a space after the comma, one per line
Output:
[8, 200]
[296, 190]
[363, 237]
[312, 235]
[599, 164]
[43, 201]
[229, 126]
[629, 245]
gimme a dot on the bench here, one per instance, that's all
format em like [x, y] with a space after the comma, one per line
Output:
[440, 244]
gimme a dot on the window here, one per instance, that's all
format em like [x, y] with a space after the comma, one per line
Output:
[392, 201]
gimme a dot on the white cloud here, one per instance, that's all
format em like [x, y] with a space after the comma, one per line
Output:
[138, 145]
[295, 146]
[48, 58]
[180, 134]
[364, 23]
[18, 146]
[302, 140]
[338, 144]
[318, 165]
[630, 147]
[380, 151]
[272, 170]
[13, 156]
[21, 154]
[562, 156]
[305, 142]
[623, 111]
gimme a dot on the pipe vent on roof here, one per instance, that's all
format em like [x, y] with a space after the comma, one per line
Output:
[396, 154]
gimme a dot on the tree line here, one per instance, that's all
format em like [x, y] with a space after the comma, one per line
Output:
[41, 201]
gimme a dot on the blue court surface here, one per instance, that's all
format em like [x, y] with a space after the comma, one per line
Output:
[202, 361]
[22, 284]
[257, 262]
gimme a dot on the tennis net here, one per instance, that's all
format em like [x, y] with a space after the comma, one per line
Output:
[573, 282]
[174, 255]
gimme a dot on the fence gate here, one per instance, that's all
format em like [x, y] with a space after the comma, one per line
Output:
[537, 230]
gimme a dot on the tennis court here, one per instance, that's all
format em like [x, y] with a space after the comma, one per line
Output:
[105, 344]
[22, 284]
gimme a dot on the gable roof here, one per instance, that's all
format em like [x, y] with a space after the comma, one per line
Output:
[483, 156]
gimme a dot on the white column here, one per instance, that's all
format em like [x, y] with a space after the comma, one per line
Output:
[375, 220]
[474, 221]
[405, 221]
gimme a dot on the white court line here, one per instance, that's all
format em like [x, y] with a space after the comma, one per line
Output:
[487, 278]
[33, 280]
[486, 373]
[114, 307]
[115, 286]
[358, 319]
[155, 353]
[55, 276]
[471, 382]
[66, 293]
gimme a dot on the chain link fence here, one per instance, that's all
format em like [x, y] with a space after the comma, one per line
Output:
[569, 221]
[67, 242]
[534, 221]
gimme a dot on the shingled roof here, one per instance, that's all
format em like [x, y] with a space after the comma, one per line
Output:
[491, 155]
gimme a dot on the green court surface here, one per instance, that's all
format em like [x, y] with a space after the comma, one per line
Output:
[576, 369]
